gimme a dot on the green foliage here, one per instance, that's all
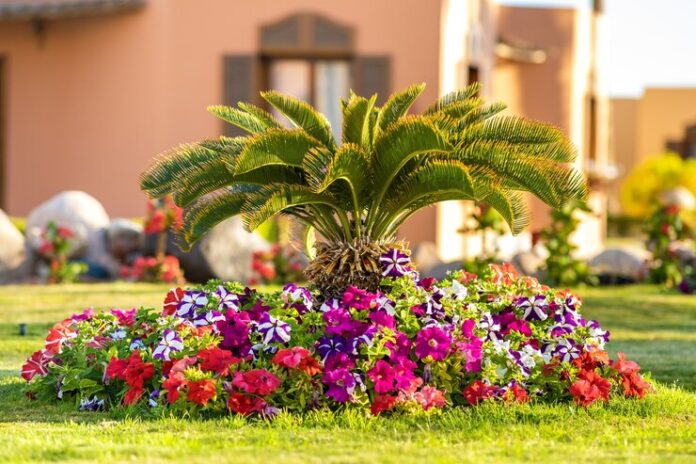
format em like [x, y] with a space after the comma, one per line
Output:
[562, 268]
[640, 192]
[389, 166]
[664, 229]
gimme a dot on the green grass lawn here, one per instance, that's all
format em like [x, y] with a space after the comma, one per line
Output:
[656, 328]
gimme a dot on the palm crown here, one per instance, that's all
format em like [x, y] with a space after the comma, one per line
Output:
[388, 166]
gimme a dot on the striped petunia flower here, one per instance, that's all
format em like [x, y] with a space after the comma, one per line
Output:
[395, 263]
[170, 342]
[273, 330]
[534, 308]
[190, 302]
[228, 300]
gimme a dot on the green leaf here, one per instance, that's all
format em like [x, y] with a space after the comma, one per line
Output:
[398, 105]
[302, 115]
[210, 210]
[356, 120]
[242, 119]
[454, 97]
[284, 147]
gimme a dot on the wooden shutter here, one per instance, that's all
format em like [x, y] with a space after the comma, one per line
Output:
[240, 83]
[372, 74]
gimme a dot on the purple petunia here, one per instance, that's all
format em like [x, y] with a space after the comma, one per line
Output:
[359, 299]
[534, 308]
[328, 305]
[208, 318]
[296, 297]
[341, 384]
[567, 350]
[228, 300]
[328, 346]
[190, 302]
[434, 343]
[395, 263]
[170, 342]
[273, 330]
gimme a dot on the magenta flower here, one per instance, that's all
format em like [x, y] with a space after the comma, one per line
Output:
[433, 342]
[235, 333]
[472, 351]
[403, 374]
[383, 375]
[125, 317]
[395, 263]
[382, 318]
[400, 349]
[341, 384]
[359, 299]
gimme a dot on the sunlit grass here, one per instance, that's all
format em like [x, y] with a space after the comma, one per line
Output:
[655, 327]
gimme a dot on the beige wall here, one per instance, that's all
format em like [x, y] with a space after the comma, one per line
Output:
[642, 126]
[89, 107]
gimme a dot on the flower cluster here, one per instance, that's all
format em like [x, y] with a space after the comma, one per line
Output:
[276, 265]
[162, 215]
[151, 269]
[415, 345]
[56, 245]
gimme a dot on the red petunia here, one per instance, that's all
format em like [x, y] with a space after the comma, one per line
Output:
[256, 381]
[133, 395]
[217, 360]
[171, 301]
[297, 358]
[623, 367]
[173, 384]
[133, 371]
[589, 360]
[36, 365]
[116, 367]
[382, 403]
[201, 391]
[245, 404]
[56, 337]
[478, 391]
[634, 385]
[516, 394]
[589, 388]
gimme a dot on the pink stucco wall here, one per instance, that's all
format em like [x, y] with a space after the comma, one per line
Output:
[87, 108]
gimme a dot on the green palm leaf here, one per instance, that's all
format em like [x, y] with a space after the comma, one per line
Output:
[356, 120]
[397, 105]
[285, 147]
[454, 97]
[303, 116]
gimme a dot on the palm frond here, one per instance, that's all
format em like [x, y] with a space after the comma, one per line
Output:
[454, 97]
[397, 105]
[170, 171]
[356, 120]
[208, 211]
[302, 115]
[239, 118]
[284, 147]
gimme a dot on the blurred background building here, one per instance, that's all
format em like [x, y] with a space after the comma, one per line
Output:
[91, 90]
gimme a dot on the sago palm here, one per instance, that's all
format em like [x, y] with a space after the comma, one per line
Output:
[357, 193]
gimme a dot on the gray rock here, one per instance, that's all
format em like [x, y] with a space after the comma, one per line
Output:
[224, 253]
[426, 257]
[12, 251]
[620, 263]
[527, 262]
[440, 271]
[124, 240]
[85, 216]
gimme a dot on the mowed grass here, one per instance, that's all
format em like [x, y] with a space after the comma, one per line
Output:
[655, 327]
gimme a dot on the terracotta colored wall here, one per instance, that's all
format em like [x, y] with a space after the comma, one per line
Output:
[624, 122]
[90, 107]
[538, 91]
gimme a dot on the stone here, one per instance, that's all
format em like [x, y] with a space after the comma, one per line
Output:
[124, 240]
[528, 262]
[12, 251]
[88, 220]
[440, 271]
[224, 253]
[620, 265]
[425, 257]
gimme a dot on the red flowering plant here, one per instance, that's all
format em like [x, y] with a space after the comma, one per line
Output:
[56, 244]
[416, 345]
[664, 229]
[276, 266]
[163, 215]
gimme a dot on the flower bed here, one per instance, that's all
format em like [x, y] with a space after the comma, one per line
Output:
[416, 345]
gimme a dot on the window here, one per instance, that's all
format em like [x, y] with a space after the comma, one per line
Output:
[319, 82]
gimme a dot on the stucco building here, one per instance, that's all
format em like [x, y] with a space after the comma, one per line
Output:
[93, 89]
